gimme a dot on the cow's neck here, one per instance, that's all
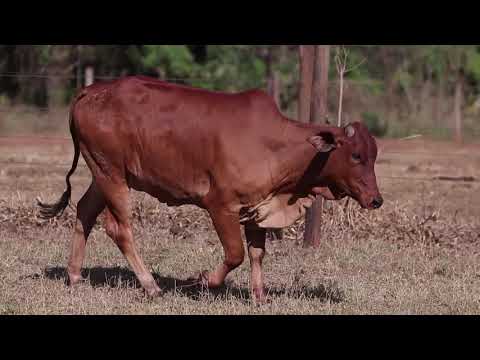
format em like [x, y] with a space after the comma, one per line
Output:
[296, 157]
[291, 192]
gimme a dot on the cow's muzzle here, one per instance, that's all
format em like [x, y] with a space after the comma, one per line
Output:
[376, 203]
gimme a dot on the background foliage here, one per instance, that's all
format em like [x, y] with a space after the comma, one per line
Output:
[397, 90]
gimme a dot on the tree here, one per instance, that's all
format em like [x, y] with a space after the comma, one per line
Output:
[273, 89]
[319, 111]
[8, 85]
[169, 61]
[402, 87]
[273, 79]
[307, 58]
[59, 65]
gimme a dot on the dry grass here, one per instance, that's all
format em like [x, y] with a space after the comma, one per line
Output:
[24, 119]
[417, 255]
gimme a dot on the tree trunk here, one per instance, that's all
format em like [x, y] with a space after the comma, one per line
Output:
[318, 113]
[439, 107]
[273, 89]
[27, 58]
[9, 83]
[273, 80]
[307, 55]
[389, 83]
[58, 69]
[426, 98]
[436, 106]
[411, 101]
[79, 67]
[457, 108]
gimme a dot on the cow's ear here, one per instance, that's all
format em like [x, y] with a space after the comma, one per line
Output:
[323, 142]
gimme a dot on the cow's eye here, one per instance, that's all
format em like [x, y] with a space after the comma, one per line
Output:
[356, 157]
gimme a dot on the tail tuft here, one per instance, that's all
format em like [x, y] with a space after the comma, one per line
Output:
[48, 211]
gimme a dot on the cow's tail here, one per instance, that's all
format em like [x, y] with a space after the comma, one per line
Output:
[48, 211]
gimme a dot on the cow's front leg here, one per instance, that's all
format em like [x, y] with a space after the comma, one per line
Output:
[256, 251]
[227, 226]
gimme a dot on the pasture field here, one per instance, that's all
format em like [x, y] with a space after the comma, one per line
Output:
[418, 254]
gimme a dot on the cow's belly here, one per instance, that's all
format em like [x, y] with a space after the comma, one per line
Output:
[277, 211]
[171, 190]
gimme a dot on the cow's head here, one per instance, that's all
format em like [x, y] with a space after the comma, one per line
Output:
[349, 168]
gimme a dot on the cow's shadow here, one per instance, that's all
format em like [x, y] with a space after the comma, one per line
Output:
[121, 277]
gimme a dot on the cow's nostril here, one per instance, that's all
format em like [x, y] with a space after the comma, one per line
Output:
[376, 203]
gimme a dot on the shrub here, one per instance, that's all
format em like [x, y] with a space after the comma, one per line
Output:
[374, 124]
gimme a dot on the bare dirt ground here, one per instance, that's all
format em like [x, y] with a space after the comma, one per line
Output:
[419, 254]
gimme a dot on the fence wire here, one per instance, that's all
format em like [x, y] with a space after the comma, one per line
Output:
[437, 179]
[113, 77]
[74, 77]
[387, 152]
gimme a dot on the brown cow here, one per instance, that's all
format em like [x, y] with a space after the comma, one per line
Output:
[234, 155]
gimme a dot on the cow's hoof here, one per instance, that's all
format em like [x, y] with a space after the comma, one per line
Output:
[153, 292]
[199, 280]
[202, 279]
[259, 297]
[262, 301]
[74, 279]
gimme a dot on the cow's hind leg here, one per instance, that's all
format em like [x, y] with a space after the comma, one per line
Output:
[228, 229]
[119, 228]
[256, 251]
[88, 208]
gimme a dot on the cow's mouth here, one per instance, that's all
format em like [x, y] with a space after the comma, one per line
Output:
[371, 204]
[338, 192]
[344, 191]
[329, 192]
